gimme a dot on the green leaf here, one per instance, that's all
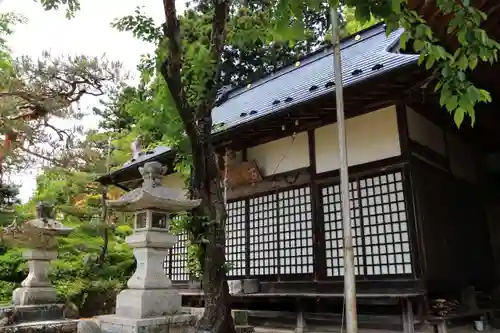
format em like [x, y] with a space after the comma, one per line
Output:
[451, 103]
[446, 71]
[484, 96]
[421, 58]
[403, 40]
[445, 95]
[459, 116]
[430, 62]
[473, 60]
[462, 38]
[396, 6]
[461, 76]
[473, 94]
[362, 13]
[463, 63]
[438, 86]
[418, 45]
[464, 102]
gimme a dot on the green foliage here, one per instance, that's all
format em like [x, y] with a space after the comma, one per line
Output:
[459, 95]
[35, 93]
[71, 6]
[7, 21]
[12, 267]
[352, 25]
[6, 289]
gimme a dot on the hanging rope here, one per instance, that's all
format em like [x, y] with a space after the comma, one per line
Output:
[226, 160]
[285, 154]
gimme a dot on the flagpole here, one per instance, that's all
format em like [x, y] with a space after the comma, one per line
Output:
[349, 276]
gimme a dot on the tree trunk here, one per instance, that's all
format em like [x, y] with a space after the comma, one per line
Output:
[105, 236]
[208, 185]
[207, 181]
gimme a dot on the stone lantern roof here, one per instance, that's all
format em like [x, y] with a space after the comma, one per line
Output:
[45, 222]
[152, 195]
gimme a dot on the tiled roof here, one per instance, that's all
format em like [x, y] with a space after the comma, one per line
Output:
[363, 56]
[146, 156]
[161, 153]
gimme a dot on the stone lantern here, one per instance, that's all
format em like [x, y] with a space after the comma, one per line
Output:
[36, 299]
[39, 237]
[150, 293]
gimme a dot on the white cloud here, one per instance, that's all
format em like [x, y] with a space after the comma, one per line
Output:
[88, 33]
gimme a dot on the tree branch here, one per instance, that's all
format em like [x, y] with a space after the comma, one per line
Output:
[171, 67]
[59, 132]
[43, 157]
[221, 12]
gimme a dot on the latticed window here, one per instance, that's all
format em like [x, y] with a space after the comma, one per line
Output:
[334, 237]
[236, 237]
[264, 235]
[175, 264]
[295, 231]
[281, 239]
[380, 227]
[272, 234]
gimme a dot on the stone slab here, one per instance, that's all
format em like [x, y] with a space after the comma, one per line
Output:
[51, 326]
[88, 326]
[244, 329]
[34, 296]
[240, 317]
[180, 323]
[33, 254]
[235, 287]
[36, 313]
[139, 303]
[251, 286]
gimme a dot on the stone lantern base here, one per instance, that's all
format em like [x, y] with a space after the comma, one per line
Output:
[36, 289]
[178, 323]
[140, 303]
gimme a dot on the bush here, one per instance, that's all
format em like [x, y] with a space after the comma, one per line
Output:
[6, 289]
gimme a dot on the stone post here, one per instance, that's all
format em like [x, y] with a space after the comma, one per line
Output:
[36, 289]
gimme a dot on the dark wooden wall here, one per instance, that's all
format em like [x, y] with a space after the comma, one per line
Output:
[452, 226]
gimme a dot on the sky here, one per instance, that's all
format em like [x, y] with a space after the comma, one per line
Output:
[88, 33]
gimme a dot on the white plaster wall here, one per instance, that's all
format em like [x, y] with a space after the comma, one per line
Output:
[281, 155]
[235, 158]
[175, 181]
[462, 158]
[370, 137]
[425, 132]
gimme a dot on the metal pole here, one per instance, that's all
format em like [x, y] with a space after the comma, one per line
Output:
[349, 277]
[108, 156]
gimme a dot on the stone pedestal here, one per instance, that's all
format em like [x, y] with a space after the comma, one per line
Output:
[137, 304]
[180, 323]
[150, 292]
[36, 288]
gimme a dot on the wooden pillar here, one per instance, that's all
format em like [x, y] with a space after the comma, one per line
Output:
[317, 214]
